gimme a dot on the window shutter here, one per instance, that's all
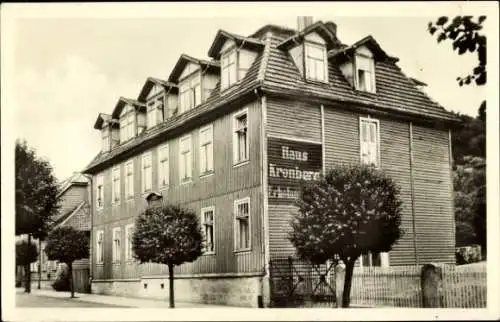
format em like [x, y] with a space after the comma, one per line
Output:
[364, 141]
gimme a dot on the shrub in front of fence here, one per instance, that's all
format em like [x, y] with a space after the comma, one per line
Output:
[468, 254]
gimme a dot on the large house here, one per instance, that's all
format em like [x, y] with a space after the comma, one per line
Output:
[232, 136]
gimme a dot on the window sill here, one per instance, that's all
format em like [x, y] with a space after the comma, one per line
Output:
[208, 254]
[99, 264]
[317, 81]
[242, 250]
[363, 92]
[163, 188]
[116, 203]
[241, 163]
[116, 263]
[100, 209]
[206, 174]
[186, 181]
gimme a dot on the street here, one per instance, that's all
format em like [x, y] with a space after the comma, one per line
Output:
[30, 300]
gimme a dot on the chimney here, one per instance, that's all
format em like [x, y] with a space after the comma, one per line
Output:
[332, 26]
[303, 22]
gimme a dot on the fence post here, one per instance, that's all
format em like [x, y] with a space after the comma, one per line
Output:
[339, 282]
[430, 281]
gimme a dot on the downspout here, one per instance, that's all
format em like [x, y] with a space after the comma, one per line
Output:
[265, 286]
[412, 188]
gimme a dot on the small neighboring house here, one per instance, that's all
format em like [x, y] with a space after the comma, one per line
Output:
[74, 211]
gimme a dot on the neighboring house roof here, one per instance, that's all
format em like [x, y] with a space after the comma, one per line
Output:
[76, 179]
[122, 101]
[222, 36]
[150, 82]
[78, 210]
[274, 72]
[184, 60]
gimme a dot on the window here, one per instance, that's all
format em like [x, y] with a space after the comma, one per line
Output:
[163, 167]
[185, 162]
[228, 68]
[316, 62]
[242, 224]
[369, 141]
[129, 234]
[365, 74]
[375, 259]
[147, 172]
[240, 138]
[127, 124]
[129, 179]
[116, 186]
[105, 140]
[190, 92]
[155, 111]
[99, 247]
[207, 220]
[116, 245]
[206, 150]
[100, 192]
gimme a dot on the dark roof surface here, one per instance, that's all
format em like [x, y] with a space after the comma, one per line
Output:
[100, 120]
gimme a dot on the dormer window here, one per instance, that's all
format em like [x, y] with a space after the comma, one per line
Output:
[127, 124]
[316, 62]
[155, 111]
[190, 92]
[228, 69]
[365, 73]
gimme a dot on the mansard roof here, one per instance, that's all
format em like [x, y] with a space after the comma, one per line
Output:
[122, 101]
[150, 82]
[184, 60]
[222, 36]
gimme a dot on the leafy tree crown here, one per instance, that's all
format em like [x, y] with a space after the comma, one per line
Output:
[350, 211]
[66, 244]
[167, 234]
[26, 253]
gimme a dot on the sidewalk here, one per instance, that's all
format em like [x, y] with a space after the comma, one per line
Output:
[118, 300]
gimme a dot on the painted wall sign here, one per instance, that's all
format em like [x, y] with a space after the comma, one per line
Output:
[290, 162]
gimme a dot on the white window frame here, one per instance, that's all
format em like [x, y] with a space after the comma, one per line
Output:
[99, 192]
[384, 260]
[115, 191]
[206, 148]
[371, 73]
[106, 140]
[189, 159]
[236, 230]
[129, 179]
[116, 252]
[161, 160]
[128, 242]
[146, 172]
[203, 224]
[187, 91]
[127, 124]
[226, 81]
[154, 110]
[361, 142]
[236, 150]
[308, 61]
[99, 245]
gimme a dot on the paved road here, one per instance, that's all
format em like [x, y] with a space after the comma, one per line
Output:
[27, 300]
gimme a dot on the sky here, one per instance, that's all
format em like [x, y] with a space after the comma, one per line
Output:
[69, 65]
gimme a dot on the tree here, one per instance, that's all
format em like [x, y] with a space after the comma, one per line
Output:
[36, 194]
[26, 253]
[351, 210]
[465, 36]
[66, 244]
[167, 234]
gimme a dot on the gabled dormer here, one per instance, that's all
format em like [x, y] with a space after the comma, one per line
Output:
[357, 63]
[160, 98]
[195, 79]
[109, 131]
[132, 118]
[309, 47]
[236, 54]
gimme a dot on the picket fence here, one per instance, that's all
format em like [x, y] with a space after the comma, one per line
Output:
[461, 286]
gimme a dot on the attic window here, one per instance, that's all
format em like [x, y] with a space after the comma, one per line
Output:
[228, 69]
[106, 145]
[190, 92]
[127, 124]
[155, 111]
[365, 73]
[316, 62]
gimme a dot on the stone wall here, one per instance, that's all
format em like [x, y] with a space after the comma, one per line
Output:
[231, 291]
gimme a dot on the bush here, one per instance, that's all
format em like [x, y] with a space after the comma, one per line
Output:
[62, 282]
[468, 254]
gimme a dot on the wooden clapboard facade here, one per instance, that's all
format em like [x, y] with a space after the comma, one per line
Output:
[295, 128]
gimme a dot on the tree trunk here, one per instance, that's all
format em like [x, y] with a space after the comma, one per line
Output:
[70, 271]
[171, 285]
[346, 295]
[39, 262]
[27, 269]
